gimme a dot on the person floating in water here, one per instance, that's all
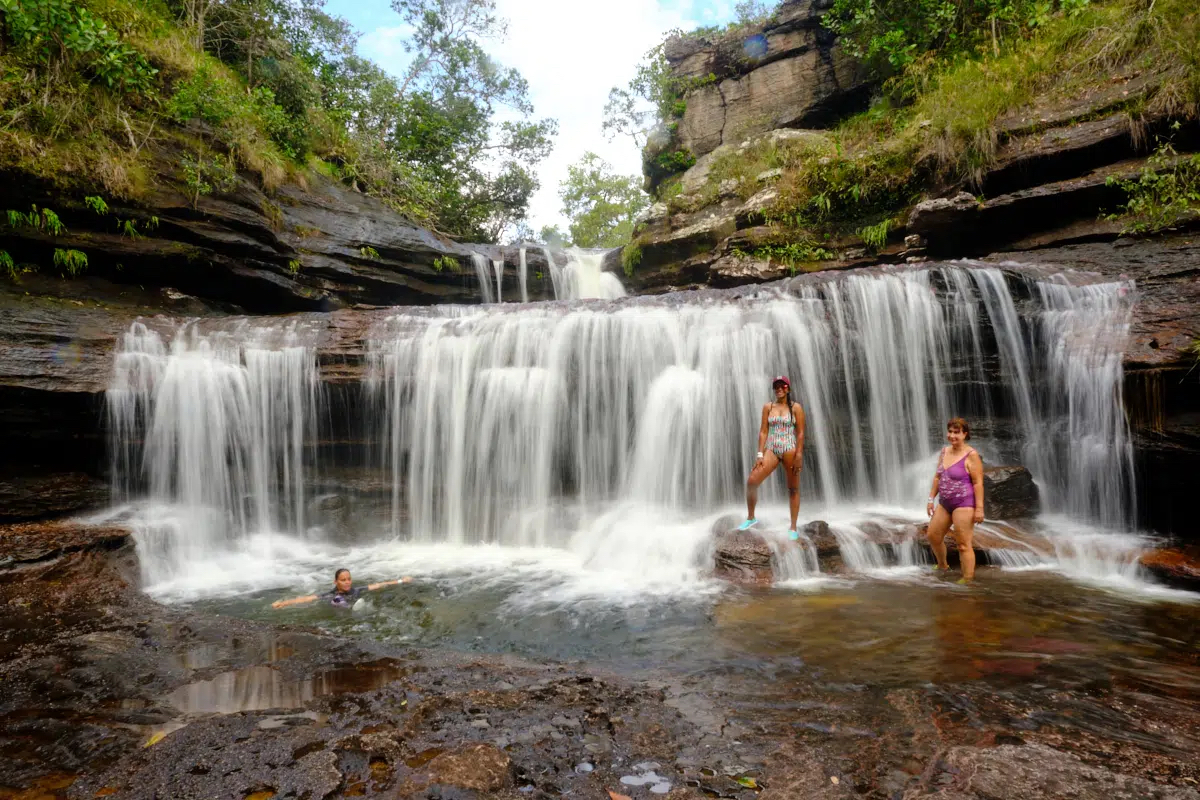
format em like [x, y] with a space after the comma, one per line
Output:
[780, 440]
[958, 487]
[342, 594]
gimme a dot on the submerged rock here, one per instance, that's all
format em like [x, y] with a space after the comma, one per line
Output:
[480, 767]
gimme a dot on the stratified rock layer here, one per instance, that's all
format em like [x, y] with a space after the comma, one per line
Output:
[787, 74]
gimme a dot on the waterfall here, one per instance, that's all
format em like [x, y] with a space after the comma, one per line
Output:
[482, 267]
[213, 427]
[535, 426]
[523, 277]
[564, 410]
[556, 274]
[584, 278]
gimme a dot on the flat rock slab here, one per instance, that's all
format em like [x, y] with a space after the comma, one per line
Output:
[30, 542]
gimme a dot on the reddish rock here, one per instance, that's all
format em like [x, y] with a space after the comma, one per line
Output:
[28, 542]
[1175, 565]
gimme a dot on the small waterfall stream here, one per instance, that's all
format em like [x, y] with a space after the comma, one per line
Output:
[616, 432]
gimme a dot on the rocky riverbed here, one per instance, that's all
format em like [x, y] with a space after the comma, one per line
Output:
[110, 694]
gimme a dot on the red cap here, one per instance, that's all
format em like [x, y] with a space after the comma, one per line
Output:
[783, 380]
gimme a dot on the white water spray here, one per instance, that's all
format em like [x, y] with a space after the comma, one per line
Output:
[604, 430]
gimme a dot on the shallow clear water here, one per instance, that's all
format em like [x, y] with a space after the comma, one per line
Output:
[894, 626]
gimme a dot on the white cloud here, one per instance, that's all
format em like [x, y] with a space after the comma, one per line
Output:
[572, 53]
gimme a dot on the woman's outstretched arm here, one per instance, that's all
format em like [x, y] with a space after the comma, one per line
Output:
[373, 586]
[295, 601]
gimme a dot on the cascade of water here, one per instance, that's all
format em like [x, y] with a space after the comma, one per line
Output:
[530, 428]
[562, 410]
[523, 277]
[498, 267]
[212, 429]
[584, 278]
[1081, 337]
[482, 267]
[556, 274]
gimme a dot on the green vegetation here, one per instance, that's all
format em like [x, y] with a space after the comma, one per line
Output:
[204, 174]
[600, 204]
[294, 266]
[875, 236]
[70, 261]
[46, 222]
[952, 73]
[1166, 193]
[631, 256]
[891, 35]
[443, 263]
[794, 254]
[369, 252]
[92, 90]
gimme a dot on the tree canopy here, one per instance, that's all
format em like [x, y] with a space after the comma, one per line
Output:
[453, 142]
[600, 204]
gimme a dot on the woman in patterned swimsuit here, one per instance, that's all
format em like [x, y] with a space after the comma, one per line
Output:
[780, 439]
[958, 486]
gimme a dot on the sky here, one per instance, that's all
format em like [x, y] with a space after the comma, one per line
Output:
[571, 52]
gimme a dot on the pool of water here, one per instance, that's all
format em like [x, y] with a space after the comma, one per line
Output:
[1020, 632]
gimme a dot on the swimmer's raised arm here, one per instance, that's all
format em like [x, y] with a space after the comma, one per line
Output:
[373, 586]
[295, 601]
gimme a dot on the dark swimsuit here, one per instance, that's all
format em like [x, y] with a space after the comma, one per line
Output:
[343, 599]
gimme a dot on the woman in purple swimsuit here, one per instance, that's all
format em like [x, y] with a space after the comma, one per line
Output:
[958, 487]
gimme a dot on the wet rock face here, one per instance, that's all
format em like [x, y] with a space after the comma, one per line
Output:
[1009, 493]
[787, 74]
[38, 496]
[302, 248]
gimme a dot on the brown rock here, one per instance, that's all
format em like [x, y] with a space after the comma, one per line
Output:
[55, 494]
[741, 556]
[1179, 566]
[800, 79]
[931, 218]
[1043, 773]
[479, 767]
[1009, 493]
[27, 542]
[822, 538]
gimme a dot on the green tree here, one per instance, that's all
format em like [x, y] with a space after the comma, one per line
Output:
[600, 204]
[649, 98]
[450, 98]
[553, 236]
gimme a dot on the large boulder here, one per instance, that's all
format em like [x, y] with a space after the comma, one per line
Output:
[789, 73]
[741, 556]
[1009, 493]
